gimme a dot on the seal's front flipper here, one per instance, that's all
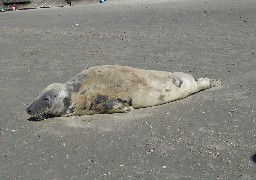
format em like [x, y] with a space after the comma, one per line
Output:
[106, 104]
[117, 106]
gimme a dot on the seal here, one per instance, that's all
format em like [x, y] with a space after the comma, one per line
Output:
[112, 89]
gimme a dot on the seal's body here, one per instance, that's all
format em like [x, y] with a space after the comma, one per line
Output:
[110, 89]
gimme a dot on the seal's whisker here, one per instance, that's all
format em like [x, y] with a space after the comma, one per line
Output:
[40, 116]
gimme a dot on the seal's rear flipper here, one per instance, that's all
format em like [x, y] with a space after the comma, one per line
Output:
[215, 82]
[205, 83]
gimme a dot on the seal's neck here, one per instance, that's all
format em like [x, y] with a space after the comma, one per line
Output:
[67, 101]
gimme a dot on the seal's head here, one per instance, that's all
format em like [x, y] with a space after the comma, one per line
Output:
[53, 101]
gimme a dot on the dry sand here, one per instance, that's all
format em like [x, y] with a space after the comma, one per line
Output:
[209, 135]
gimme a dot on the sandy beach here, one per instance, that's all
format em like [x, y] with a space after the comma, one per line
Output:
[209, 135]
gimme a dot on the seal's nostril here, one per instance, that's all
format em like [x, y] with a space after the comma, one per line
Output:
[29, 111]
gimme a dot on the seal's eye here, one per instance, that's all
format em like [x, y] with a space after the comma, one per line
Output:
[46, 100]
